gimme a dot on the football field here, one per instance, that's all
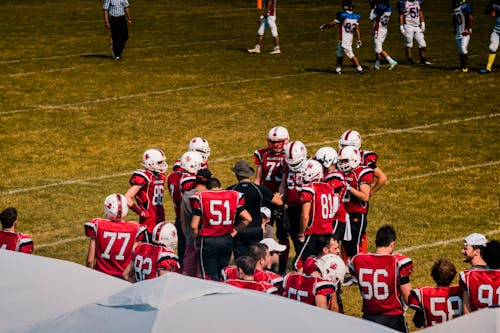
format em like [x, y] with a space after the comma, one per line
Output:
[74, 122]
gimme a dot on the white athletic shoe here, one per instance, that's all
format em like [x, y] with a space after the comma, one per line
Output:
[276, 50]
[338, 70]
[256, 49]
[392, 65]
[377, 67]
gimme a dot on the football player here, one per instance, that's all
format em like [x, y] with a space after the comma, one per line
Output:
[191, 162]
[245, 267]
[215, 211]
[380, 15]
[472, 251]
[349, 25]
[145, 195]
[152, 260]
[269, 162]
[462, 24]
[9, 238]
[112, 239]
[493, 9]
[358, 181]
[412, 26]
[437, 304]
[267, 20]
[311, 289]
[319, 205]
[384, 281]
[291, 182]
[328, 157]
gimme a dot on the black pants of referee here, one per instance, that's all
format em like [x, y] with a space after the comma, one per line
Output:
[119, 34]
[215, 253]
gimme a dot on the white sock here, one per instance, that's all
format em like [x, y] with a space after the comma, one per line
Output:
[389, 59]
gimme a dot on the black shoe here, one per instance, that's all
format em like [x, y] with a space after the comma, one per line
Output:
[410, 62]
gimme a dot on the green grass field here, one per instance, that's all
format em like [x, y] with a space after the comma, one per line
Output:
[74, 123]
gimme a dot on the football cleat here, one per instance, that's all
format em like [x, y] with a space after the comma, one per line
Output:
[338, 70]
[392, 65]
[410, 62]
[377, 67]
[276, 50]
[425, 62]
[256, 49]
[360, 71]
[465, 70]
[484, 71]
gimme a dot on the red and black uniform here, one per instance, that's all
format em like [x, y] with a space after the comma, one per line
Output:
[435, 304]
[337, 180]
[253, 285]
[356, 208]
[304, 288]
[380, 277]
[150, 196]
[15, 241]
[114, 241]
[218, 211]
[260, 275]
[324, 205]
[482, 286]
[150, 259]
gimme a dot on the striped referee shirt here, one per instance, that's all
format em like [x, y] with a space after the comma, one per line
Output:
[115, 8]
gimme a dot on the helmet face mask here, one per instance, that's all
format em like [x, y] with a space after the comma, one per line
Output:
[115, 207]
[191, 161]
[349, 159]
[165, 233]
[327, 156]
[277, 138]
[154, 160]
[312, 171]
[295, 155]
[350, 138]
[347, 5]
[200, 145]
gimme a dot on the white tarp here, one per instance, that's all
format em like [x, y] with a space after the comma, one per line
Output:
[176, 303]
[481, 321]
[36, 288]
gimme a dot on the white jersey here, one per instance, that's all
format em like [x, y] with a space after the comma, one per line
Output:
[411, 11]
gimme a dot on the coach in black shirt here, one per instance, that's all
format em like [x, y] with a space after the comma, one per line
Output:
[256, 196]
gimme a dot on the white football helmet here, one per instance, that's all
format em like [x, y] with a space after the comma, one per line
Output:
[332, 268]
[165, 233]
[154, 160]
[191, 161]
[295, 155]
[326, 156]
[115, 207]
[350, 138]
[200, 145]
[349, 159]
[312, 171]
[277, 137]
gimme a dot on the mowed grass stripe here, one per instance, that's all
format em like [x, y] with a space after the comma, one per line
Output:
[229, 158]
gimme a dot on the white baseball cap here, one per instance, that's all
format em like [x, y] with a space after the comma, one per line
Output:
[475, 239]
[266, 212]
[273, 245]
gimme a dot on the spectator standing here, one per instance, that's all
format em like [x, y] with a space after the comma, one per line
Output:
[117, 18]
[9, 238]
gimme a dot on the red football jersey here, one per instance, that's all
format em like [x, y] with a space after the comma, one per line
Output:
[150, 196]
[379, 280]
[439, 304]
[187, 182]
[355, 178]
[483, 287]
[113, 243]
[253, 285]
[293, 186]
[173, 182]
[15, 241]
[150, 259]
[260, 275]
[272, 167]
[218, 211]
[323, 207]
[304, 288]
[337, 180]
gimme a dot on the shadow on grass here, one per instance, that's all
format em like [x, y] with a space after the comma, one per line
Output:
[102, 56]
[321, 70]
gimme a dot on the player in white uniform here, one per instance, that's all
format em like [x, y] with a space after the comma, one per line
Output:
[462, 23]
[493, 9]
[380, 15]
[348, 22]
[268, 20]
[412, 26]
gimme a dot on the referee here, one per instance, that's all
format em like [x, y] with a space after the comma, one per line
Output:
[116, 18]
[256, 196]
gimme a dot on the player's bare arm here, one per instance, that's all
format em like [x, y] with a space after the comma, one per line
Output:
[304, 218]
[381, 179]
[195, 223]
[91, 254]
[258, 175]
[363, 193]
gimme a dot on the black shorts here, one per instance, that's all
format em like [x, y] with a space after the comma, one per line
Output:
[397, 322]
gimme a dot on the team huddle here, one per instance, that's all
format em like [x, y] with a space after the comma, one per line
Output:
[412, 27]
[320, 203]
